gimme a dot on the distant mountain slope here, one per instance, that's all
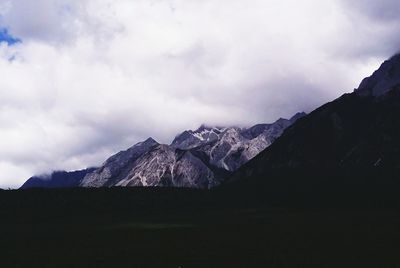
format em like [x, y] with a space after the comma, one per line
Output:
[58, 179]
[199, 159]
[229, 148]
[118, 166]
[358, 130]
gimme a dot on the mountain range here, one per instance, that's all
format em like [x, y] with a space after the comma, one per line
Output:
[357, 131]
[203, 158]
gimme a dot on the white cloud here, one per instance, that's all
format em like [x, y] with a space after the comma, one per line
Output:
[93, 77]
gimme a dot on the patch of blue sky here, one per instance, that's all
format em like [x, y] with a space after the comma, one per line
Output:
[5, 36]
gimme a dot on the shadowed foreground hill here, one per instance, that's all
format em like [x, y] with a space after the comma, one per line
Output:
[278, 225]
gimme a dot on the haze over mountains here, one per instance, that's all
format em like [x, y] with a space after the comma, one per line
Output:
[199, 159]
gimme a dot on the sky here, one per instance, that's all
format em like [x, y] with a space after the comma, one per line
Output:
[82, 80]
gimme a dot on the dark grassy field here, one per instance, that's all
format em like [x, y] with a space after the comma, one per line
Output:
[263, 225]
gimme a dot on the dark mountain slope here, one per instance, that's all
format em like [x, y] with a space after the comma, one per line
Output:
[359, 131]
[58, 179]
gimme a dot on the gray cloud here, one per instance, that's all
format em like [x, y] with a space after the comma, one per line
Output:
[372, 28]
[380, 11]
[96, 76]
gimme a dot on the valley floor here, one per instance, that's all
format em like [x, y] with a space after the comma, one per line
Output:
[187, 228]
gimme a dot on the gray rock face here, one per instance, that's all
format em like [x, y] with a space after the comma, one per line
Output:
[199, 159]
[190, 139]
[386, 78]
[116, 167]
[237, 146]
[165, 166]
[160, 165]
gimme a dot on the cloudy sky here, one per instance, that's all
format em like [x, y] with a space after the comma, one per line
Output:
[81, 80]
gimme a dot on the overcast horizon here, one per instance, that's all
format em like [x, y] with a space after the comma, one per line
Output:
[82, 80]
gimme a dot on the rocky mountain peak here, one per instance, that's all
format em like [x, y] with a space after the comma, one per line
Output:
[190, 139]
[383, 80]
[202, 158]
[150, 140]
[297, 116]
[203, 127]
